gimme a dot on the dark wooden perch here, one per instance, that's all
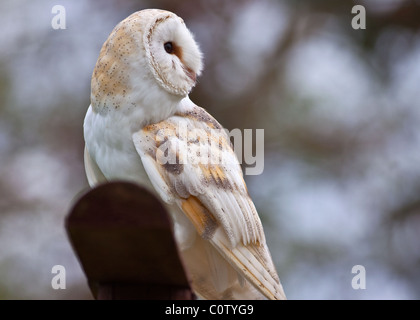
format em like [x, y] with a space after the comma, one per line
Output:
[123, 238]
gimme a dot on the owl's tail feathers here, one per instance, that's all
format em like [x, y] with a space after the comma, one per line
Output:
[254, 262]
[213, 277]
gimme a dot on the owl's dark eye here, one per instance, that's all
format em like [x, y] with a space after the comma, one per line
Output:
[169, 47]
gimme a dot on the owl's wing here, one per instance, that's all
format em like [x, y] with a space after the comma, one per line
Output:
[190, 162]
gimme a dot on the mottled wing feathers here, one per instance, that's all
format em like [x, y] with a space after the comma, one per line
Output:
[189, 154]
[202, 219]
[190, 162]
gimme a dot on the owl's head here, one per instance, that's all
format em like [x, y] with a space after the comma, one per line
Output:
[149, 58]
[174, 56]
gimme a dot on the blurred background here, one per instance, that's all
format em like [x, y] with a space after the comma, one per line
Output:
[340, 109]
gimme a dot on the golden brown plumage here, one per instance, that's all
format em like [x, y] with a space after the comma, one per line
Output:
[142, 127]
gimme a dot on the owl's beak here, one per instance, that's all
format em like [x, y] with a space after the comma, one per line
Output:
[191, 74]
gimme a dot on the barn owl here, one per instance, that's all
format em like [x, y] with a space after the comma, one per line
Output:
[139, 103]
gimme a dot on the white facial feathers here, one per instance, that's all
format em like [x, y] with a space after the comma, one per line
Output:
[175, 57]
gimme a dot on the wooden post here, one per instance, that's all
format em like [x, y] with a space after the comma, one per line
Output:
[122, 236]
